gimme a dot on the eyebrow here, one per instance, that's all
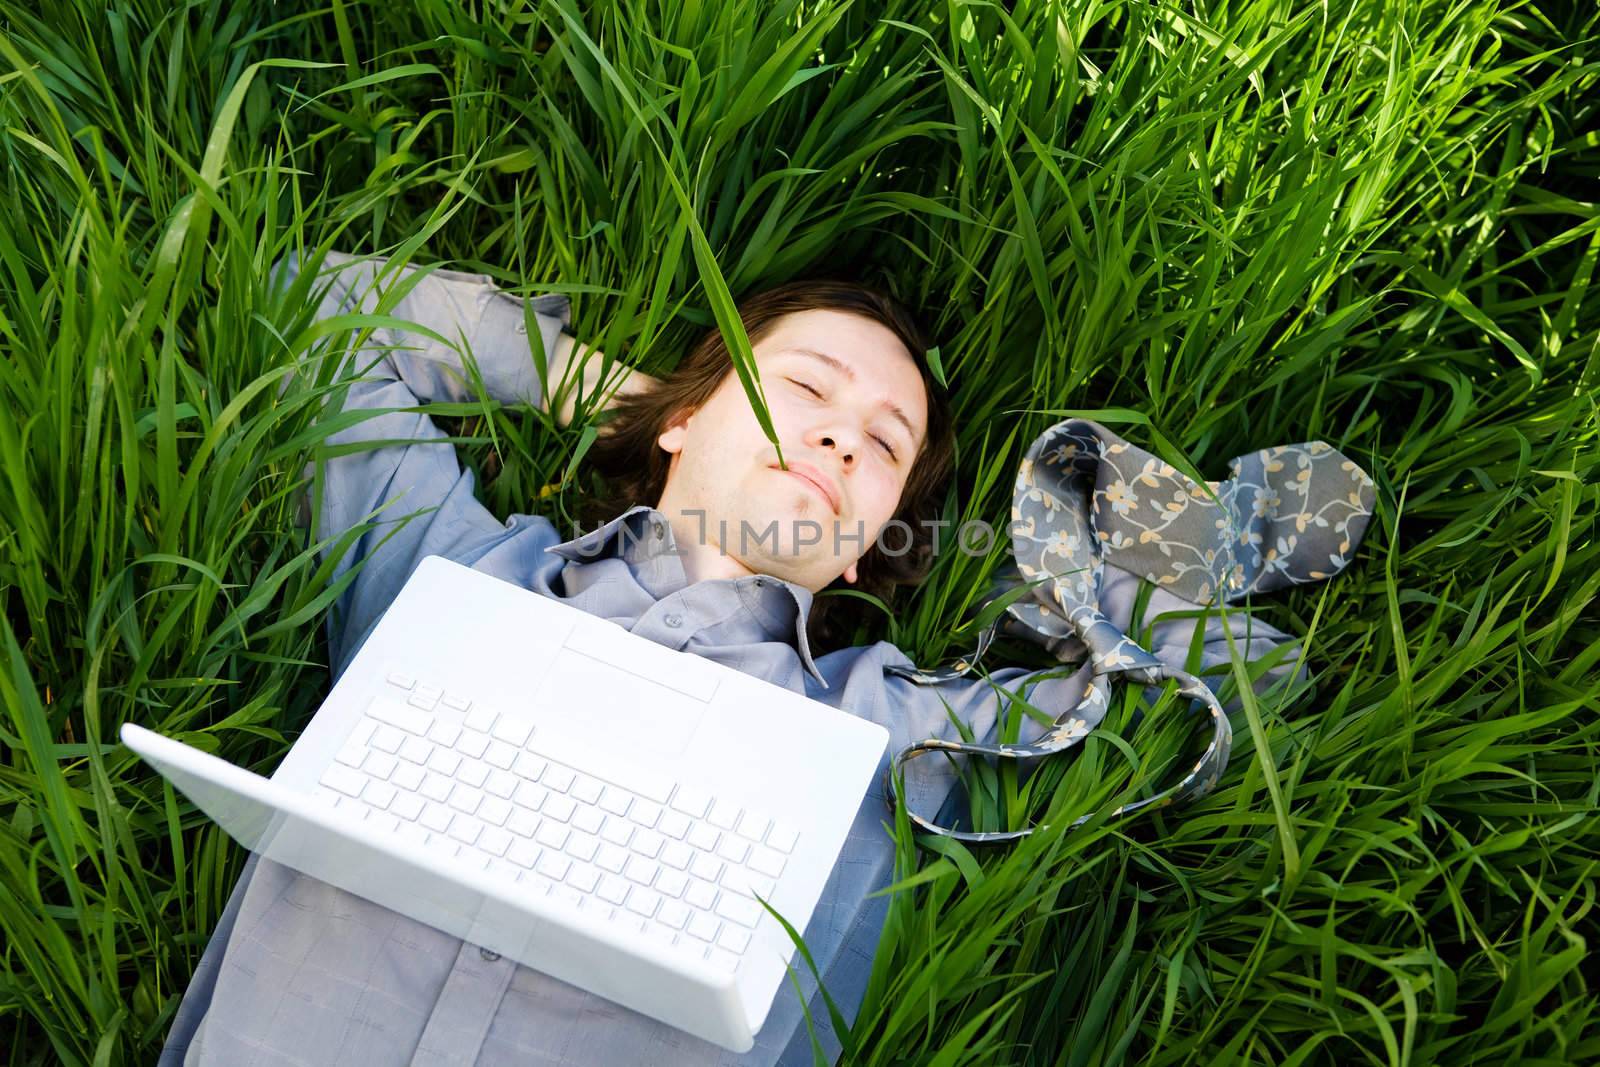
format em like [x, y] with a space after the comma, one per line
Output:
[890, 406]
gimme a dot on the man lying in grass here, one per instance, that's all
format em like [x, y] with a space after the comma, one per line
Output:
[298, 971]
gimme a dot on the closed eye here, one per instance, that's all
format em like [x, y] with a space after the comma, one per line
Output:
[887, 447]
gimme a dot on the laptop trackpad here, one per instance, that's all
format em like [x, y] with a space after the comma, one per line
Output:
[601, 701]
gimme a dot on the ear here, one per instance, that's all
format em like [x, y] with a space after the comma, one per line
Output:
[671, 438]
[850, 573]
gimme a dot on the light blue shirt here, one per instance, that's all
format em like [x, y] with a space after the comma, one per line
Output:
[299, 972]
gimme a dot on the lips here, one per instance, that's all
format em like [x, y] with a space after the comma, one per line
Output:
[824, 485]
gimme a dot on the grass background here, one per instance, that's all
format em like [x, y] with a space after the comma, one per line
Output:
[1254, 222]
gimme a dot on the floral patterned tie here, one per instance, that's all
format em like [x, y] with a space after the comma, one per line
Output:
[1288, 515]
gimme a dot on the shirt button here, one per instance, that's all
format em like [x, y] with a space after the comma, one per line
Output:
[674, 620]
[490, 956]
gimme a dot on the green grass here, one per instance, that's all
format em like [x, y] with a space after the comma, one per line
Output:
[1256, 223]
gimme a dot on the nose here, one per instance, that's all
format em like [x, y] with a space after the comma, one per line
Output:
[843, 442]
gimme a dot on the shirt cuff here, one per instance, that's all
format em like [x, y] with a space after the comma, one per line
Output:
[504, 348]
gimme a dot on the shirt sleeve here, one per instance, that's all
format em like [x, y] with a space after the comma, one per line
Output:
[395, 463]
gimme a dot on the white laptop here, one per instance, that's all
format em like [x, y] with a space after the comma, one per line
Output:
[543, 783]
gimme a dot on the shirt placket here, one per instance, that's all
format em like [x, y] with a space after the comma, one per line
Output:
[466, 1005]
[670, 622]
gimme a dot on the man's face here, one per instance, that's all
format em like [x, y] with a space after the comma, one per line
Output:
[832, 382]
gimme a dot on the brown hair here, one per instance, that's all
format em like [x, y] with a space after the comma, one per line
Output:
[634, 466]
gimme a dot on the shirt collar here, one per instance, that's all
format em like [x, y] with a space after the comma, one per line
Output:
[781, 606]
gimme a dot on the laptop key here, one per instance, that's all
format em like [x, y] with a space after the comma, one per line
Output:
[724, 815]
[402, 681]
[645, 813]
[674, 824]
[692, 802]
[465, 828]
[524, 853]
[734, 939]
[766, 861]
[407, 776]
[522, 822]
[706, 866]
[386, 738]
[588, 820]
[646, 843]
[512, 730]
[559, 778]
[437, 817]
[782, 838]
[380, 765]
[701, 895]
[465, 799]
[582, 846]
[615, 801]
[676, 854]
[394, 713]
[611, 858]
[473, 772]
[379, 794]
[754, 825]
[704, 837]
[480, 718]
[501, 783]
[445, 762]
[617, 831]
[552, 834]
[436, 786]
[612, 889]
[733, 849]
[638, 869]
[747, 882]
[642, 901]
[407, 806]
[741, 910]
[416, 750]
[472, 742]
[671, 883]
[553, 865]
[494, 841]
[721, 957]
[585, 788]
[530, 796]
[559, 808]
[425, 697]
[704, 926]
[494, 811]
[583, 877]
[444, 731]
[345, 780]
[529, 766]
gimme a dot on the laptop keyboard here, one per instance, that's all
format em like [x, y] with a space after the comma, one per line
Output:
[663, 858]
